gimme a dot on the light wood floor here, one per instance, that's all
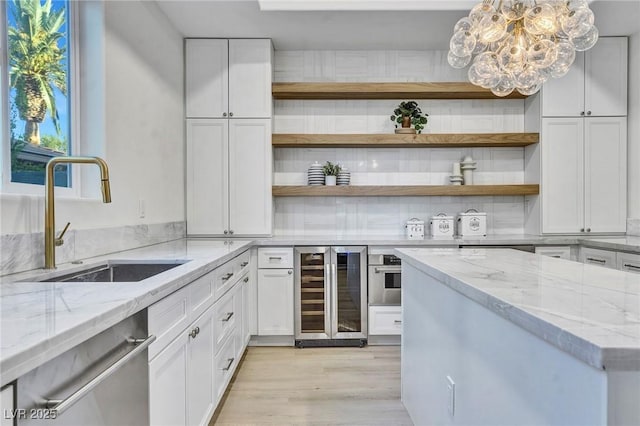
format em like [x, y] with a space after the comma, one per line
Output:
[330, 386]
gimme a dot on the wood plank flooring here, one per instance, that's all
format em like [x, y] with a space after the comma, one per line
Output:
[329, 386]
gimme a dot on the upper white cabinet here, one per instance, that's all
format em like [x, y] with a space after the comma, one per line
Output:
[596, 85]
[228, 176]
[228, 78]
[584, 175]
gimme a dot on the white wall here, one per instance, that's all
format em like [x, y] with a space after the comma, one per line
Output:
[137, 109]
[389, 166]
[633, 134]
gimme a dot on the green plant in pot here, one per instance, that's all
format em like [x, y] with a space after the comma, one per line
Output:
[330, 171]
[407, 114]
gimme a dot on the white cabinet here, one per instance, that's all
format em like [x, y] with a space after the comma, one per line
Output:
[629, 262]
[229, 177]
[200, 404]
[275, 302]
[168, 384]
[246, 309]
[228, 78]
[598, 257]
[385, 320]
[560, 252]
[595, 86]
[583, 182]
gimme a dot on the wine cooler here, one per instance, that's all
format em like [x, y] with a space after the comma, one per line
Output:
[331, 296]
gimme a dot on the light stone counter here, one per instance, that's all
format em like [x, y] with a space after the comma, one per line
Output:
[590, 312]
[628, 243]
[40, 320]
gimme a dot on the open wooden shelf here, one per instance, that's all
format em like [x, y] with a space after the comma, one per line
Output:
[299, 140]
[329, 90]
[403, 191]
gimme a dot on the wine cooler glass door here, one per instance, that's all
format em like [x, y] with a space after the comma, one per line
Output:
[348, 292]
[312, 293]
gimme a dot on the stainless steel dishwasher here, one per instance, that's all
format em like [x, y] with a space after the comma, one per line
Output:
[102, 381]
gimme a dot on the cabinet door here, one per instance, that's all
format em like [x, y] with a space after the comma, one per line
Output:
[629, 262]
[200, 403]
[207, 176]
[206, 78]
[598, 257]
[605, 87]
[275, 302]
[605, 174]
[168, 384]
[238, 300]
[562, 175]
[250, 78]
[250, 202]
[246, 310]
[564, 96]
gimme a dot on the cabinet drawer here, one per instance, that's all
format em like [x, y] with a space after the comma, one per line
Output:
[224, 318]
[224, 365]
[168, 318]
[629, 262]
[242, 264]
[604, 258]
[275, 257]
[201, 294]
[563, 252]
[385, 320]
[225, 278]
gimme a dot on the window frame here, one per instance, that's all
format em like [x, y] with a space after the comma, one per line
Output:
[73, 39]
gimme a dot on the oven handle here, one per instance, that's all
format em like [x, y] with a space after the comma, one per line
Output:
[383, 269]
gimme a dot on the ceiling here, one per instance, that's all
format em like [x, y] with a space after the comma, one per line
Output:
[424, 29]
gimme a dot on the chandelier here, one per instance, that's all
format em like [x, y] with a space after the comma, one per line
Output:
[519, 44]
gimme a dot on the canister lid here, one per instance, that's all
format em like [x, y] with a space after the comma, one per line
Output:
[415, 221]
[472, 212]
[442, 216]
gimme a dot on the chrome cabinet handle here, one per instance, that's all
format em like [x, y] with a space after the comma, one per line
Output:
[226, 277]
[246, 279]
[581, 112]
[588, 229]
[224, 114]
[231, 231]
[193, 334]
[630, 266]
[229, 315]
[60, 406]
[383, 269]
[275, 257]
[230, 114]
[226, 232]
[588, 112]
[243, 264]
[397, 321]
[581, 229]
[229, 362]
[592, 259]
[289, 272]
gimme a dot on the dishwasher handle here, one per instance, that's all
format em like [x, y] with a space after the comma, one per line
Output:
[59, 406]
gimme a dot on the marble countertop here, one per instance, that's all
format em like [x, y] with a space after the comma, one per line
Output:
[590, 312]
[630, 244]
[40, 320]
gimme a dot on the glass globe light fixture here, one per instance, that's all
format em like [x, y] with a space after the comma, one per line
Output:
[519, 44]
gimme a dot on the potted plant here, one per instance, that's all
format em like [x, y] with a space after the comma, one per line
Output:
[330, 171]
[409, 113]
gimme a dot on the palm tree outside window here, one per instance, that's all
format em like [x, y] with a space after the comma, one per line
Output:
[38, 66]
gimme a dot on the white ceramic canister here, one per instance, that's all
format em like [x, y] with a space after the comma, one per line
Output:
[415, 229]
[472, 223]
[441, 226]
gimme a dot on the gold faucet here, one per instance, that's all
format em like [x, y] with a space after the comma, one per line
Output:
[50, 240]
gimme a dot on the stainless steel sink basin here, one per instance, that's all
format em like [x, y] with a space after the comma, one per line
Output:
[117, 272]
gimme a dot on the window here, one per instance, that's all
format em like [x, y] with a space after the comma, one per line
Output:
[37, 71]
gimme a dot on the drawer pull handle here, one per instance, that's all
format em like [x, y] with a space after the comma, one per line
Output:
[226, 277]
[243, 264]
[275, 257]
[229, 315]
[246, 279]
[229, 363]
[390, 269]
[194, 332]
[592, 259]
[397, 321]
[60, 406]
[630, 266]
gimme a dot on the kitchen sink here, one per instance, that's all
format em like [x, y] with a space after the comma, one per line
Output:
[114, 271]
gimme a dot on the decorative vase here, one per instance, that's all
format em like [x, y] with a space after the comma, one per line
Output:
[330, 180]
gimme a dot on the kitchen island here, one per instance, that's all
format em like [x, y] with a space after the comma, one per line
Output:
[505, 337]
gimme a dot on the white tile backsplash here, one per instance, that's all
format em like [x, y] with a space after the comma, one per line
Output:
[389, 166]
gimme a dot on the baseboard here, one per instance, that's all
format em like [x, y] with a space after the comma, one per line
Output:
[271, 341]
[384, 340]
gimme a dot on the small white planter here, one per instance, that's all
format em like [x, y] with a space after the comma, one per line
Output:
[330, 180]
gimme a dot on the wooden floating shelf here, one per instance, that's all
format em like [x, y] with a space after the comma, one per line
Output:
[329, 90]
[403, 191]
[425, 140]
